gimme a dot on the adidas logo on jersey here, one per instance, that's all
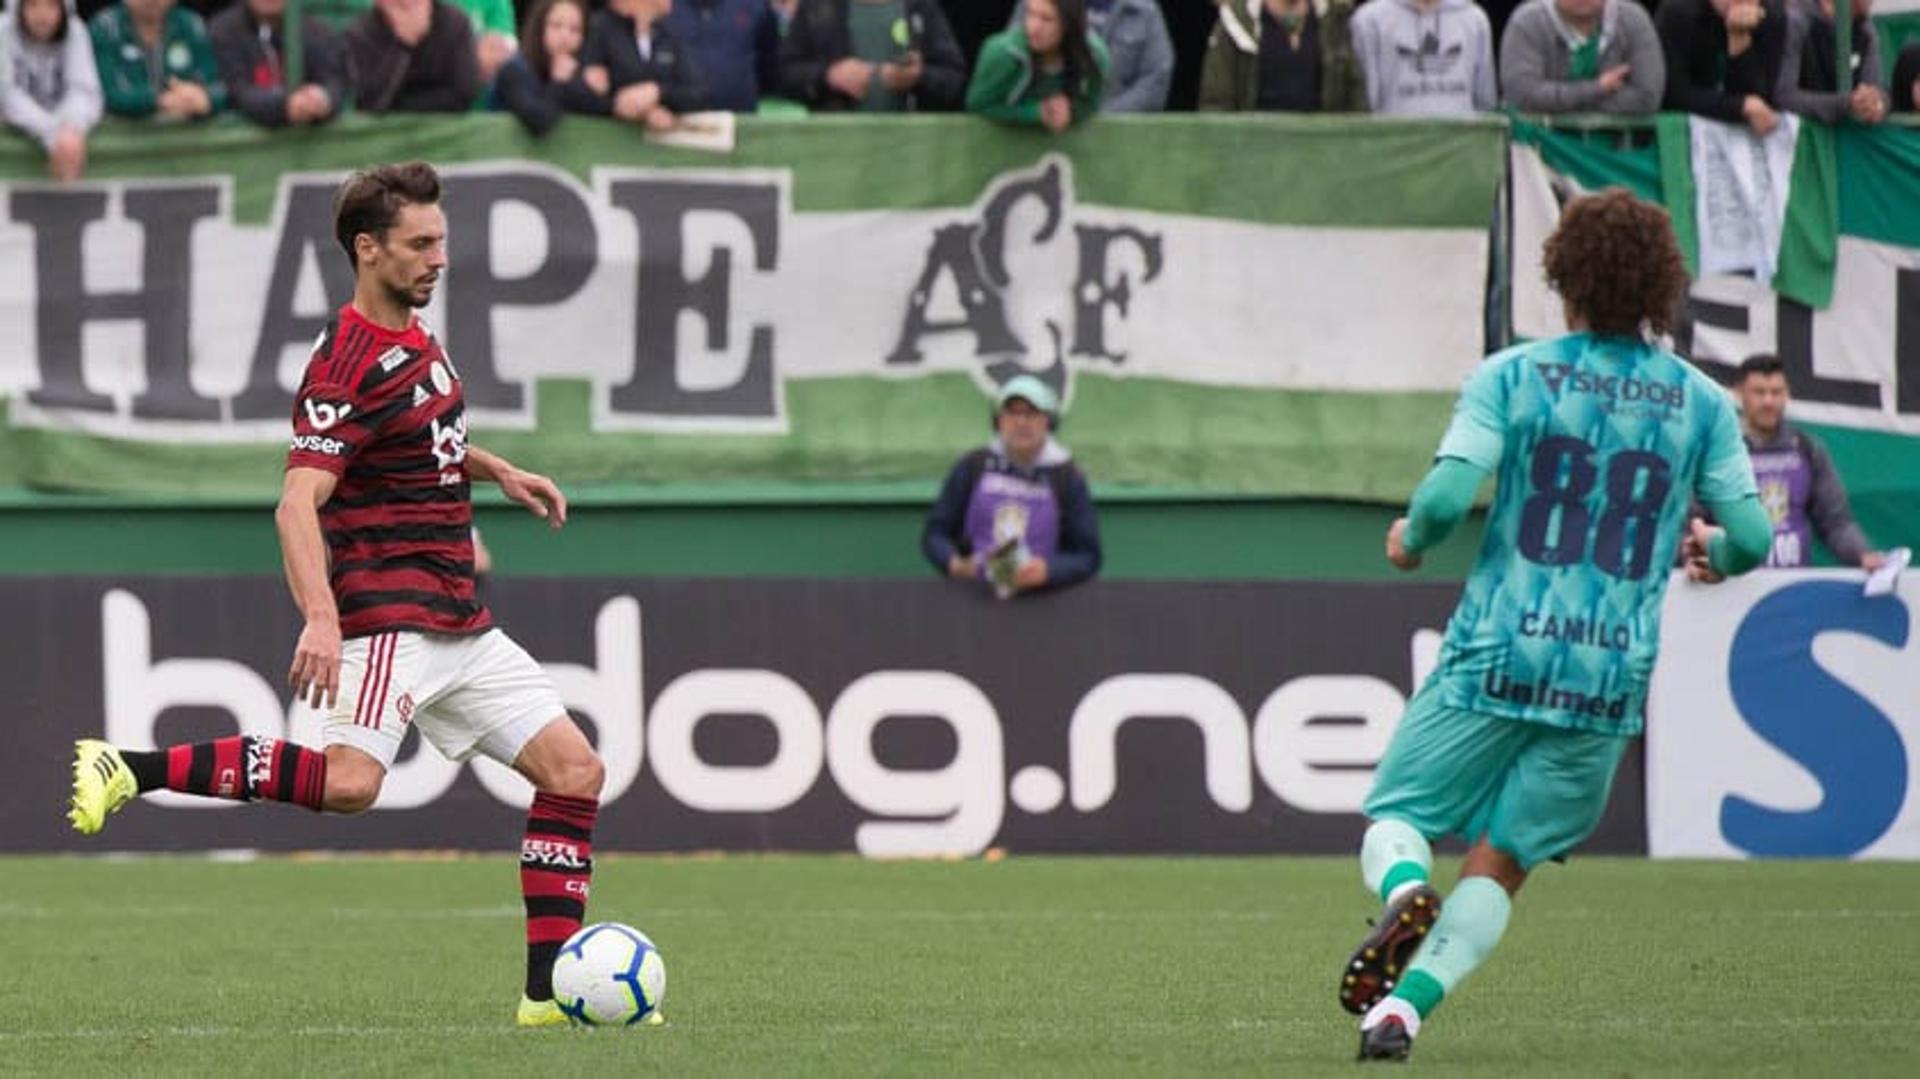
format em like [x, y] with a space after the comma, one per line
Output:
[420, 396]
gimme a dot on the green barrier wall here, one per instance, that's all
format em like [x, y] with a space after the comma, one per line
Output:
[1143, 539]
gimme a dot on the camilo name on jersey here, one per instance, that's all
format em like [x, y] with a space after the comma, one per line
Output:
[1546, 695]
[1615, 636]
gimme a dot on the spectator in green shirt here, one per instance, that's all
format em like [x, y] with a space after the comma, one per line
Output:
[155, 60]
[493, 34]
[1048, 71]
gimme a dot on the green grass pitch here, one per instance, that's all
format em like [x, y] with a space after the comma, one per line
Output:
[1028, 966]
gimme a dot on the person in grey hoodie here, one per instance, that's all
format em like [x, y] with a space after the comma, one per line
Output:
[1807, 83]
[1139, 51]
[1582, 56]
[51, 89]
[1426, 57]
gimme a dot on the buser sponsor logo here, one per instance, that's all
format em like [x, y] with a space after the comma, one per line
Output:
[332, 447]
[324, 414]
[550, 852]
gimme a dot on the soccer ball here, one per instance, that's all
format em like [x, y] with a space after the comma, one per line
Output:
[609, 974]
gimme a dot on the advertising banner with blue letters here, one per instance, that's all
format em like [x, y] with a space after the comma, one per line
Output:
[1786, 720]
[899, 718]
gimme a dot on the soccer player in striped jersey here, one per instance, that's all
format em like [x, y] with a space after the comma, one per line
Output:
[375, 524]
[1597, 440]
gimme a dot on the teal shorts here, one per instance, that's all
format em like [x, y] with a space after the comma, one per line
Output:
[1530, 790]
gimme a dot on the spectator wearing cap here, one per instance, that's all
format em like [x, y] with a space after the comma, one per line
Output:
[1016, 514]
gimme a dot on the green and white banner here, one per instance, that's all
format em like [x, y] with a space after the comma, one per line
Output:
[1228, 305]
[1810, 250]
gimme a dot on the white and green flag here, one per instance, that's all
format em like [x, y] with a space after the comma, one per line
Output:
[1227, 304]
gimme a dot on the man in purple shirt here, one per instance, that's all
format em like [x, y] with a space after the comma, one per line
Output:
[1798, 485]
[1016, 513]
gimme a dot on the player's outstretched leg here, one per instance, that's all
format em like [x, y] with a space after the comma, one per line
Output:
[1464, 936]
[1395, 862]
[556, 855]
[241, 768]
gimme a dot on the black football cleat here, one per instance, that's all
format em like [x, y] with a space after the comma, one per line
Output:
[1379, 961]
[1386, 1040]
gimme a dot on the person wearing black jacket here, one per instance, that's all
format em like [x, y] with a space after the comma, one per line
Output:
[1906, 80]
[1723, 58]
[633, 56]
[414, 56]
[248, 46]
[546, 77]
[830, 62]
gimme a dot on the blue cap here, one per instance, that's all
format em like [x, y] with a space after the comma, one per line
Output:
[1031, 390]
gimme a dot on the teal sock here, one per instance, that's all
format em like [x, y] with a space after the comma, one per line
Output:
[1472, 920]
[1391, 855]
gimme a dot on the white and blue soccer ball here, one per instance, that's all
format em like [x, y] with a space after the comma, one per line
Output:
[609, 975]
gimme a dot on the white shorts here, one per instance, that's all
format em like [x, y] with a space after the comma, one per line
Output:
[468, 695]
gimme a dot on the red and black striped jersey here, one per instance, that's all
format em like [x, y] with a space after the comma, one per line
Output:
[383, 411]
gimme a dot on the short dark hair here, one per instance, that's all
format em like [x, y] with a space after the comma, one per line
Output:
[1614, 258]
[1760, 363]
[370, 201]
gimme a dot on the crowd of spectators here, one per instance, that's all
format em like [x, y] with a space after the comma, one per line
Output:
[1054, 65]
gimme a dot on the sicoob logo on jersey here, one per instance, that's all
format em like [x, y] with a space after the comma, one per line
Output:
[1615, 388]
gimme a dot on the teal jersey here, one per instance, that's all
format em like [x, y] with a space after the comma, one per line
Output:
[1598, 445]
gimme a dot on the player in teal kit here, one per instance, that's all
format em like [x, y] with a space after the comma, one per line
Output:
[1597, 440]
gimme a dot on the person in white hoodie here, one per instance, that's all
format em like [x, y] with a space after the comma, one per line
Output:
[1426, 57]
[51, 89]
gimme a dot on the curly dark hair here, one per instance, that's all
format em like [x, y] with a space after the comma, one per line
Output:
[1615, 261]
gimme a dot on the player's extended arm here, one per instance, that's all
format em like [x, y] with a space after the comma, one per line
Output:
[539, 494]
[315, 673]
[1743, 538]
[1439, 504]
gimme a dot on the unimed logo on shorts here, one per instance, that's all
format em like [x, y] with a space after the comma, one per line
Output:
[1785, 720]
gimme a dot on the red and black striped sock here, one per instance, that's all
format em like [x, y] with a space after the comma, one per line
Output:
[242, 768]
[556, 867]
